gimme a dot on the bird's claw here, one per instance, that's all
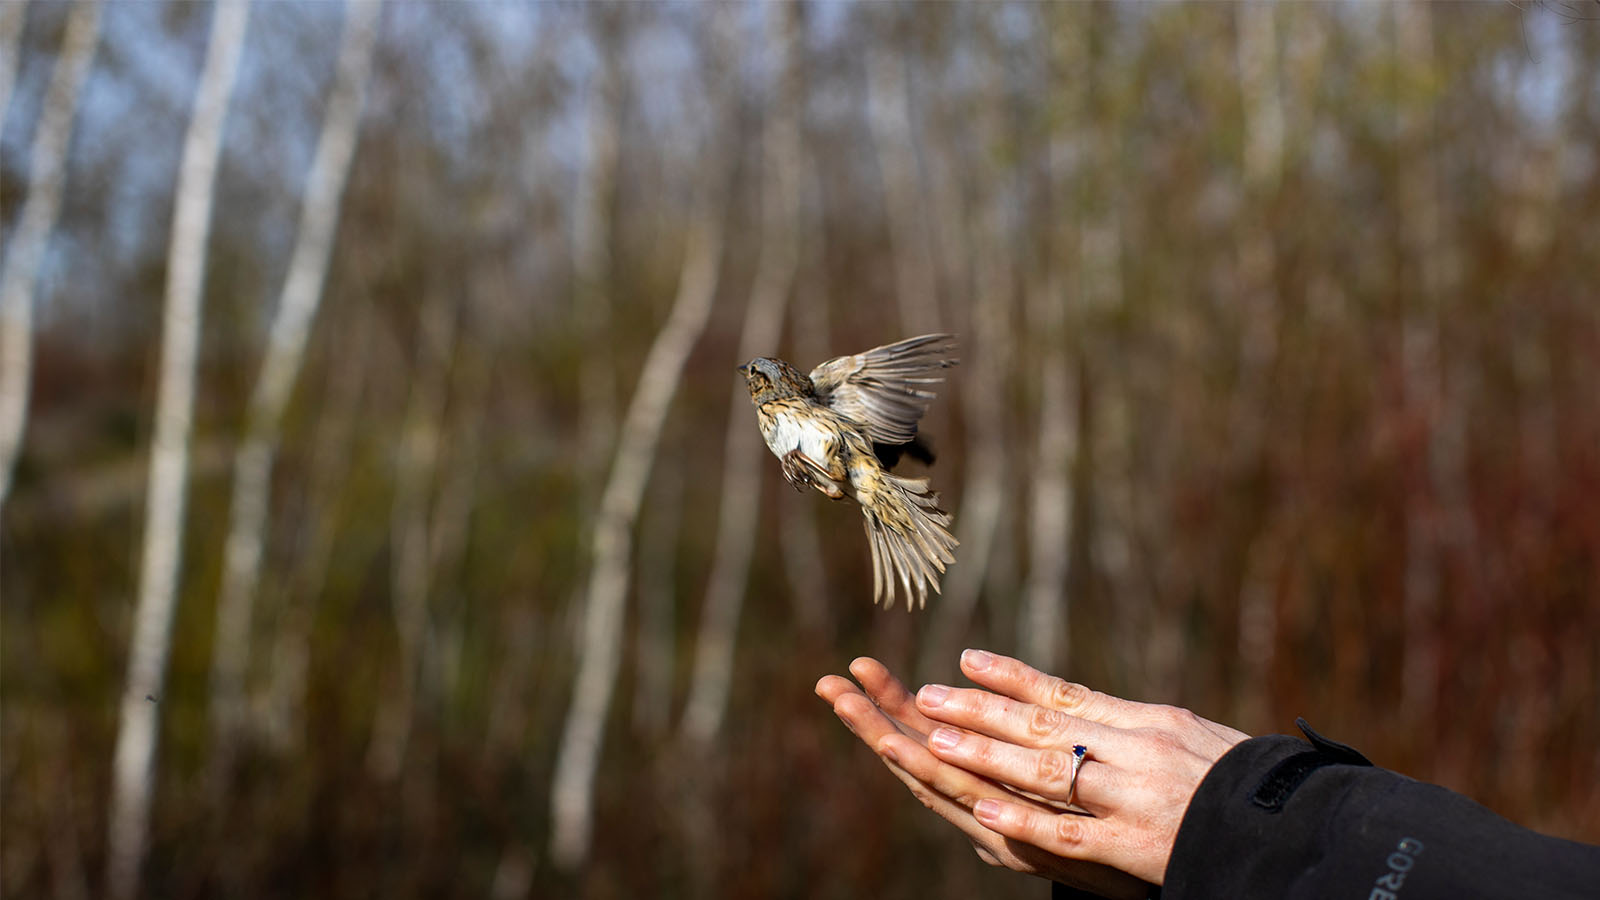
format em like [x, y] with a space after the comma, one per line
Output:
[795, 470]
[801, 470]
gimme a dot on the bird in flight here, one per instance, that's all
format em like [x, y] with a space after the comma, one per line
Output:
[839, 430]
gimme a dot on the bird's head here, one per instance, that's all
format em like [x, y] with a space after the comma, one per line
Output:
[773, 379]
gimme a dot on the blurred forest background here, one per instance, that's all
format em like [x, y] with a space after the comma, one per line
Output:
[383, 515]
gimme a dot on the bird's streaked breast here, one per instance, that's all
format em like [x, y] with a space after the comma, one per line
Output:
[807, 433]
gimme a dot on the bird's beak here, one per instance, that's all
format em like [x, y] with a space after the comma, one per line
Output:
[744, 369]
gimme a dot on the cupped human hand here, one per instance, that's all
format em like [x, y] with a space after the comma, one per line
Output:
[885, 716]
[1143, 764]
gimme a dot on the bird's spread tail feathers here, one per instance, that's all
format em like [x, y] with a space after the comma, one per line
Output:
[910, 540]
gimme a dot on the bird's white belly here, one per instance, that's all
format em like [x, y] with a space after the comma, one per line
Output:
[806, 435]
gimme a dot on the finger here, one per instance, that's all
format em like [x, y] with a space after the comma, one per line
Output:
[831, 687]
[864, 718]
[951, 809]
[953, 782]
[1046, 772]
[960, 785]
[879, 733]
[1013, 721]
[890, 695]
[1064, 834]
[1018, 680]
[952, 793]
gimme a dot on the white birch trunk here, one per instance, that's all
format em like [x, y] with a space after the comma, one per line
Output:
[572, 788]
[133, 773]
[47, 177]
[742, 458]
[572, 792]
[592, 232]
[280, 369]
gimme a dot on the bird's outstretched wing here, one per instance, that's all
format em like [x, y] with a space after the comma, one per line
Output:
[886, 388]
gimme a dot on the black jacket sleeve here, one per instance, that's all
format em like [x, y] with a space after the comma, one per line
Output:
[1280, 817]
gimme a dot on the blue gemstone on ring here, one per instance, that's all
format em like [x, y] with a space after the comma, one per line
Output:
[1079, 750]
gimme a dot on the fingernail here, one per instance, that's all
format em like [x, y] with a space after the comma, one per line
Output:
[944, 738]
[933, 694]
[987, 809]
[889, 754]
[976, 660]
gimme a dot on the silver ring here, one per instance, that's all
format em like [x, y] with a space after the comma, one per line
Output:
[1079, 754]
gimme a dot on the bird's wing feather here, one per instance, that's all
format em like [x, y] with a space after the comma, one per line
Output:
[887, 388]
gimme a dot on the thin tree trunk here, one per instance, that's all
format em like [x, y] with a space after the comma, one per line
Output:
[742, 463]
[280, 369]
[915, 285]
[572, 788]
[572, 791]
[592, 242]
[983, 501]
[12, 17]
[1044, 637]
[133, 773]
[520, 639]
[658, 596]
[1525, 719]
[449, 525]
[46, 179]
[332, 458]
[457, 498]
[593, 233]
[60, 810]
[416, 468]
[804, 562]
[1430, 522]
[1263, 165]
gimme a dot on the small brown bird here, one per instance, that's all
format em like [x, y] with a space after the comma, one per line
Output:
[840, 429]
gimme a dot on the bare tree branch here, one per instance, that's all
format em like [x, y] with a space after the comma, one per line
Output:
[133, 773]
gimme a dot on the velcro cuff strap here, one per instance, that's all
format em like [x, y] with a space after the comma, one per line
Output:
[1284, 778]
